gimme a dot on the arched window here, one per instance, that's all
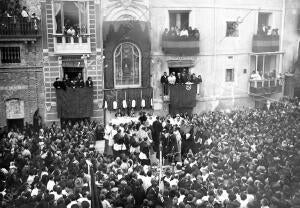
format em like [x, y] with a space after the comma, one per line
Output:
[127, 65]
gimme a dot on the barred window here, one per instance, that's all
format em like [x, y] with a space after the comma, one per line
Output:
[10, 55]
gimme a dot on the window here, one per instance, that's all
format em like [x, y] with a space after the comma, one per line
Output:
[266, 65]
[229, 75]
[232, 29]
[71, 14]
[10, 55]
[263, 21]
[179, 19]
[127, 65]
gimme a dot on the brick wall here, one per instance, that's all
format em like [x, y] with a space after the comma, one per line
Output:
[23, 81]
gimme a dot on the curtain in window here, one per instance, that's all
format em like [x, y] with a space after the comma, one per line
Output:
[57, 12]
[83, 16]
[127, 58]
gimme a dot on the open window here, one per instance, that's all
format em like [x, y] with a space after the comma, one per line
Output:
[179, 19]
[229, 75]
[71, 15]
[232, 29]
[263, 23]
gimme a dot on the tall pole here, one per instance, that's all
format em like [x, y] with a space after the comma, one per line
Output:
[160, 166]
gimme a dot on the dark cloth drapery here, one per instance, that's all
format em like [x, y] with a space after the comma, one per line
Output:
[74, 103]
[182, 98]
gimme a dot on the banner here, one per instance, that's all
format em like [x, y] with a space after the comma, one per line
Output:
[74, 103]
[14, 109]
[183, 95]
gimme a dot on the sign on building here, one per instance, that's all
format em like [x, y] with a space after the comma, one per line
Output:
[14, 109]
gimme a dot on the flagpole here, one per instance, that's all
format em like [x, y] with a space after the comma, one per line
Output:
[160, 166]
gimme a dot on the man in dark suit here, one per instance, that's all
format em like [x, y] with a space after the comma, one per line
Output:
[79, 81]
[59, 84]
[179, 78]
[67, 81]
[164, 82]
[157, 128]
[89, 82]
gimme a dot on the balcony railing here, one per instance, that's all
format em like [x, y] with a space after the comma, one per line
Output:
[180, 46]
[13, 27]
[68, 44]
[264, 87]
[265, 43]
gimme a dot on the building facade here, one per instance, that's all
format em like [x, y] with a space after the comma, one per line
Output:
[291, 61]
[21, 67]
[122, 46]
[226, 56]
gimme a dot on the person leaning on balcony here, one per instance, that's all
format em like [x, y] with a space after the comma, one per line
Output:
[255, 76]
[164, 82]
[179, 78]
[59, 84]
[79, 83]
[184, 33]
[67, 80]
[172, 78]
[185, 77]
[24, 13]
[71, 31]
[172, 32]
[89, 82]
[165, 33]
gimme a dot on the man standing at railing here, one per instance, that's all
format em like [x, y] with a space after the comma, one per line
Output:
[24, 13]
[164, 82]
[255, 76]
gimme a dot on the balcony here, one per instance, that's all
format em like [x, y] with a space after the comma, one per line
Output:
[265, 87]
[19, 29]
[67, 44]
[180, 46]
[265, 43]
[129, 94]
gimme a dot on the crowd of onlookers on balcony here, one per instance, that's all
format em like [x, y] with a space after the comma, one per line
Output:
[180, 78]
[14, 13]
[266, 30]
[184, 33]
[72, 29]
[72, 83]
[259, 75]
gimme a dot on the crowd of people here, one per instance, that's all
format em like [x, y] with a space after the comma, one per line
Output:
[268, 31]
[259, 75]
[180, 78]
[13, 12]
[72, 83]
[175, 33]
[246, 158]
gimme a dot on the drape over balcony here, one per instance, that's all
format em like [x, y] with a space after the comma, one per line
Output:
[182, 98]
[74, 103]
[181, 46]
[265, 43]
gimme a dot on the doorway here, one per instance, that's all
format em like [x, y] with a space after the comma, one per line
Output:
[15, 124]
[179, 70]
[72, 72]
[297, 92]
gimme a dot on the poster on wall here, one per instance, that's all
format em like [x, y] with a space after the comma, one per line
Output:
[14, 109]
